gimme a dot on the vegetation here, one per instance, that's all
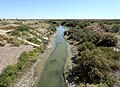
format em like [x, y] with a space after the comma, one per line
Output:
[93, 65]
[115, 28]
[23, 28]
[24, 32]
[2, 37]
[104, 25]
[19, 29]
[11, 72]
[52, 28]
[76, 23]
[110, 26]
[4, 23]
[21, 34]
[34, 40]
[98, 38]
[17, 42]
[94, 59]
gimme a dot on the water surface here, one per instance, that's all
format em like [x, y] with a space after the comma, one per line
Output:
[54, 66]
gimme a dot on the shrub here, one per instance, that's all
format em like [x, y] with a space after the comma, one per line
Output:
[19, 29]
[23, 28]
[107, 40]
[16, 42]
[4, 23]
[116, 65]
[94, 66]
[86, 45]
[116, 28]
[15, 33]
[10, 73]
[5, 81]
[52, 28]
[97, 38]
[116, 56]
[7, 76]
[34, 40]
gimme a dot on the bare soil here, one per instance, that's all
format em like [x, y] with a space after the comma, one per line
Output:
[9, 55]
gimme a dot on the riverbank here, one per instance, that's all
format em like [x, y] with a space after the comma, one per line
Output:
[52, 75]
[88, 52]
[30, 77]
[68, 63]
[40, 65]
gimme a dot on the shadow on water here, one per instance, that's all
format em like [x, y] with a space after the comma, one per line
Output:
[54, 67]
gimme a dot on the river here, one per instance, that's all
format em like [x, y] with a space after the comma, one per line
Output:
[52, 75]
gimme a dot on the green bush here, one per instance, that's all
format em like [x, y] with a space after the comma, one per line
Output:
[34, 40]
[76, 23]
[7, 76]
[23, 28]
[94, 60]
[112, 56]
[4, 23]
[15, 33]
[5, 81]
[19, 30]
[10, 73]
[107, 40]
[52, 28]
[86, 45]
[17, 42]
[85, 35]
[115, 65]
[116, 28]
[2, 37]
[116, 56]
[92, 67]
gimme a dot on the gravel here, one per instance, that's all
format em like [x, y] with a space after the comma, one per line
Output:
[9, 55]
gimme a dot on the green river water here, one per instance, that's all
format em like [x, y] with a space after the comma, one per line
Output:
[54, 66]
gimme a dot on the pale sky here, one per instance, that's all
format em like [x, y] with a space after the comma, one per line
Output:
[60, 9]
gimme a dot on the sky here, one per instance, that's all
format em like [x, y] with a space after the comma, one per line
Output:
[60, 9]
